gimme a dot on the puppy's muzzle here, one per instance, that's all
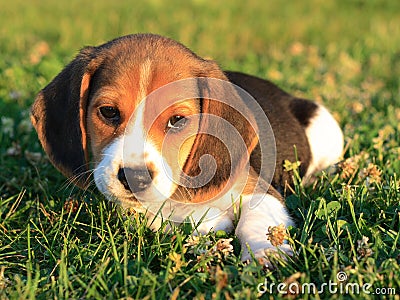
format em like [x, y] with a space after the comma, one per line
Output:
[135, 180]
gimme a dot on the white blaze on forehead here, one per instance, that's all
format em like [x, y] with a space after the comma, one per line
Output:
[135, 135]
[144, 79]
[139, 151]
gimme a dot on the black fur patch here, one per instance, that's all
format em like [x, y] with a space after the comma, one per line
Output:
[303, 110]
[289, 117]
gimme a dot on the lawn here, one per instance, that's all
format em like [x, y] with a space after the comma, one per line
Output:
[58, 242]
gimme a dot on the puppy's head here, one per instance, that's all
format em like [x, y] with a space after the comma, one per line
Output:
[150, 116]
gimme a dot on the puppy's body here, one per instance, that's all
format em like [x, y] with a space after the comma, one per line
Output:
[289, 117]
[111, 108]
[295, 122]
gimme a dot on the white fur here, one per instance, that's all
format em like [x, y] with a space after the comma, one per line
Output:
[139, 151]
[105, 173]
[254, 221]
[215, 215]
[133, 151]
[325, 139]
[258, 211]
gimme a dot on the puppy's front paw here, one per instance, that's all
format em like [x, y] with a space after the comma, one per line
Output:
[269, 256]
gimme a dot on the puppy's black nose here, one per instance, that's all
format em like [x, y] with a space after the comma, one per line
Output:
[135, 180]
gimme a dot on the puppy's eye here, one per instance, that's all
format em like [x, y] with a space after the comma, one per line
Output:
[110, 113]
[176, 122]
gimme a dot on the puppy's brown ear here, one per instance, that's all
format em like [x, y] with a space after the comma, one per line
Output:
[228, 131]
[58, 115]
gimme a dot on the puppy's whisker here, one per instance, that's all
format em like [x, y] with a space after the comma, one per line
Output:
[189, 192]
[180, 195]
[183, 194]
[70, 183]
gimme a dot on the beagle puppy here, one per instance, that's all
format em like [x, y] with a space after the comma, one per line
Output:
[169, 134]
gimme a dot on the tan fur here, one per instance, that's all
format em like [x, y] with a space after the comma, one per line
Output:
[126, 74]
[123, 72]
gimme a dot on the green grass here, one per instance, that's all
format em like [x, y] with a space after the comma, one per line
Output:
[344, 54]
